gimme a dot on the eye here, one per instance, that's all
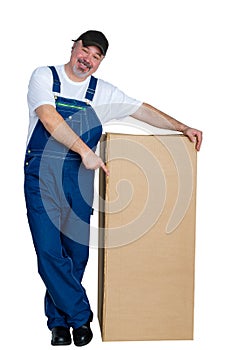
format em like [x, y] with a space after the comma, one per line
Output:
[96, 57]
[84, 49]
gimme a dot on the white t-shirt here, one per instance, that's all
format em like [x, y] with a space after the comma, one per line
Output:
[109, 102]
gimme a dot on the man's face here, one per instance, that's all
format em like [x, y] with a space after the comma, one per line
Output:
[85, 60]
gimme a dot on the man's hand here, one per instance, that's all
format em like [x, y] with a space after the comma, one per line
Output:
[92, 161]
[194, 135]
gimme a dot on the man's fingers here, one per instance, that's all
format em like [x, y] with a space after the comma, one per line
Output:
[194, 136]
[105, 169]
[198, 140]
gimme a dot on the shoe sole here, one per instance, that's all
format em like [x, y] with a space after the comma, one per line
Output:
[60, 344]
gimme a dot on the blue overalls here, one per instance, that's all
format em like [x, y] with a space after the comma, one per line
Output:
[59, 196]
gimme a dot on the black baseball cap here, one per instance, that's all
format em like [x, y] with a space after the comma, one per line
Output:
[94, 38]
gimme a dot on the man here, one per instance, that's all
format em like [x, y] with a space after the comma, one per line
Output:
[67, 107]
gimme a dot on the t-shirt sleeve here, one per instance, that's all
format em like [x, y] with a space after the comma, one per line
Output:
[40, 89]
[114, 103]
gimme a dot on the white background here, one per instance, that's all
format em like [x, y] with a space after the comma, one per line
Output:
[174, 54]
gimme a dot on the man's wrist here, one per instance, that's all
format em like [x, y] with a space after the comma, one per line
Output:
[80, 147]
[182, 128]
[84, 151]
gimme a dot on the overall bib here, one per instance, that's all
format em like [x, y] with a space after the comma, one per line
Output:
[59, 196]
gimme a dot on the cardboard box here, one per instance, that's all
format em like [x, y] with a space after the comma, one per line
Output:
[147, 238]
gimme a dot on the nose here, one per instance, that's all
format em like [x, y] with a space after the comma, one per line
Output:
[87, 56]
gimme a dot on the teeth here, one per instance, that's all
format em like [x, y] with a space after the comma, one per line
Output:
[84, 63]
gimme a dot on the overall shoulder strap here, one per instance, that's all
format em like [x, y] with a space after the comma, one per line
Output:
[91, 89]
[56, 80]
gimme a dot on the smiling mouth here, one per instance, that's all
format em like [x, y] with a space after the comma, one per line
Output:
[84, 63]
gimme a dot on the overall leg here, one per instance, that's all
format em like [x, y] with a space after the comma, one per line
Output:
[78, 189]
[75, 220]
[55, 269]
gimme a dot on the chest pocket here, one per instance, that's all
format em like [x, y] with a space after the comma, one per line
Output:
[77, 116]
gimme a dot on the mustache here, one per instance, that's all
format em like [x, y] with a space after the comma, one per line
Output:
[82, 61]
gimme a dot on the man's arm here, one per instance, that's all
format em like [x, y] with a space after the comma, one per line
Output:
[60, 130]
[154, 117]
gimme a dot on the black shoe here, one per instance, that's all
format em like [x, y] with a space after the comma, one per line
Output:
[61, 336]
[83, 335]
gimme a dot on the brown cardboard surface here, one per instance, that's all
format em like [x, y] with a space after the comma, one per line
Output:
[147, 238]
